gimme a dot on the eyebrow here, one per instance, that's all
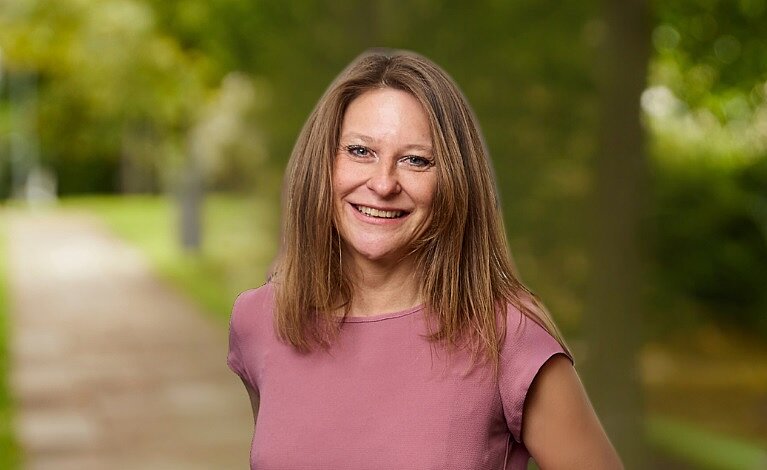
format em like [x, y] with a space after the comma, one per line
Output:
[370, 140]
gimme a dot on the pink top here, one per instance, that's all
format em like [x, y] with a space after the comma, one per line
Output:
[383, 397]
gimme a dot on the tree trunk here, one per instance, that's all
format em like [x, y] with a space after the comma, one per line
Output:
[614, 319]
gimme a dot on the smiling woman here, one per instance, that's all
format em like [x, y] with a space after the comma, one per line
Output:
[383, 180]
[394, 333]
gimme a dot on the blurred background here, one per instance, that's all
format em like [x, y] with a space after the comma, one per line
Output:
[629, 141]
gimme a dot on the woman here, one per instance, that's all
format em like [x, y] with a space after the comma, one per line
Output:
[395, 334]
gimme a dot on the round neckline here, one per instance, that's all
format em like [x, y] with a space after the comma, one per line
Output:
[383, 316]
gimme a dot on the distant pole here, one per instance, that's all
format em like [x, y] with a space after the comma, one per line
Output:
[191, 194]
[24, 138]
[614, 317]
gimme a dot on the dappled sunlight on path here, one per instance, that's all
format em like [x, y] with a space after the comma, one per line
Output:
[110, 367]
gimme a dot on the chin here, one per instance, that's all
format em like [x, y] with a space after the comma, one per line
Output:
[374, 254]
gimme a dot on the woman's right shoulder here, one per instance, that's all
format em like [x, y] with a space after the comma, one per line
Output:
[256, 298]
[252, 308]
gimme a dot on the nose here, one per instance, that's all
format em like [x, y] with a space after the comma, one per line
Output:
[383, 180]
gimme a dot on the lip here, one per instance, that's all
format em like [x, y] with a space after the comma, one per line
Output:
[373, 220]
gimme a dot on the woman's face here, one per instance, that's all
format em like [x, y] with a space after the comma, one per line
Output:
[383, 175]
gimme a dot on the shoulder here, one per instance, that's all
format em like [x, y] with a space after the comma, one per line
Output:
[545, 404]
[561, 429]
[526, 347]
[252, 308]
[256, 298]
[526, 339]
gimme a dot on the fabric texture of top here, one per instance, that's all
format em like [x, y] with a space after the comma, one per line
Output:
[383, 396]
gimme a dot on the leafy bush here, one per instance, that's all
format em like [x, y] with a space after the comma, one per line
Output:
[710, 243]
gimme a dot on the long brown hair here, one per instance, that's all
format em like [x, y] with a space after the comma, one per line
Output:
[462, 257]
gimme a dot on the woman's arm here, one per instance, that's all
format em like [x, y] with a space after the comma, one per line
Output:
[560, 428]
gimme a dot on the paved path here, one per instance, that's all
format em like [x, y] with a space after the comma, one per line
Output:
[111, 368]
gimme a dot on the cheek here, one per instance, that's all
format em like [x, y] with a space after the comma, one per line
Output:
[337, 187]
[428, 191]
[341, 178]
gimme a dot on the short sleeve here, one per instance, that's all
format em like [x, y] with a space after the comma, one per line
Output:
[234, 356]
[527, 347]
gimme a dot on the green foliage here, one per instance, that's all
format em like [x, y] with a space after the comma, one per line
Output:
[711, 51]
[706, 113]
[710, 244]
[10, 453]
[106, 79]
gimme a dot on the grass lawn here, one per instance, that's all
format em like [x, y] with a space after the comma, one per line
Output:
[703, 449]
[10, 453]
[239, 242]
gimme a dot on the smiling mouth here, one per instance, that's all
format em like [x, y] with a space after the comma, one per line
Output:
[378, 214]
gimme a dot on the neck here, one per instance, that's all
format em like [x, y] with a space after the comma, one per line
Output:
[383, 287]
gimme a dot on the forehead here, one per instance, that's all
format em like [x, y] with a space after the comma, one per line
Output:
[387, 114]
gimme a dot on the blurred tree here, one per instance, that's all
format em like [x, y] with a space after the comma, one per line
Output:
[228, 134]
[613, 324]
[715, 255]
[132, 92]
[707, 112]
[112, 89]
[711, 51]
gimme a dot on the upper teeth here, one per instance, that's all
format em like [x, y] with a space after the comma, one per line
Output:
[369, 211]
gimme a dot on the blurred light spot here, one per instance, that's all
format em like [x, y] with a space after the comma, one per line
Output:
[705, 120]
[665, 37]
[756, 95]
[760, 123]
[41, 187]
[727, 49]
[701, 77]
[659, 101]
[736, 108]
